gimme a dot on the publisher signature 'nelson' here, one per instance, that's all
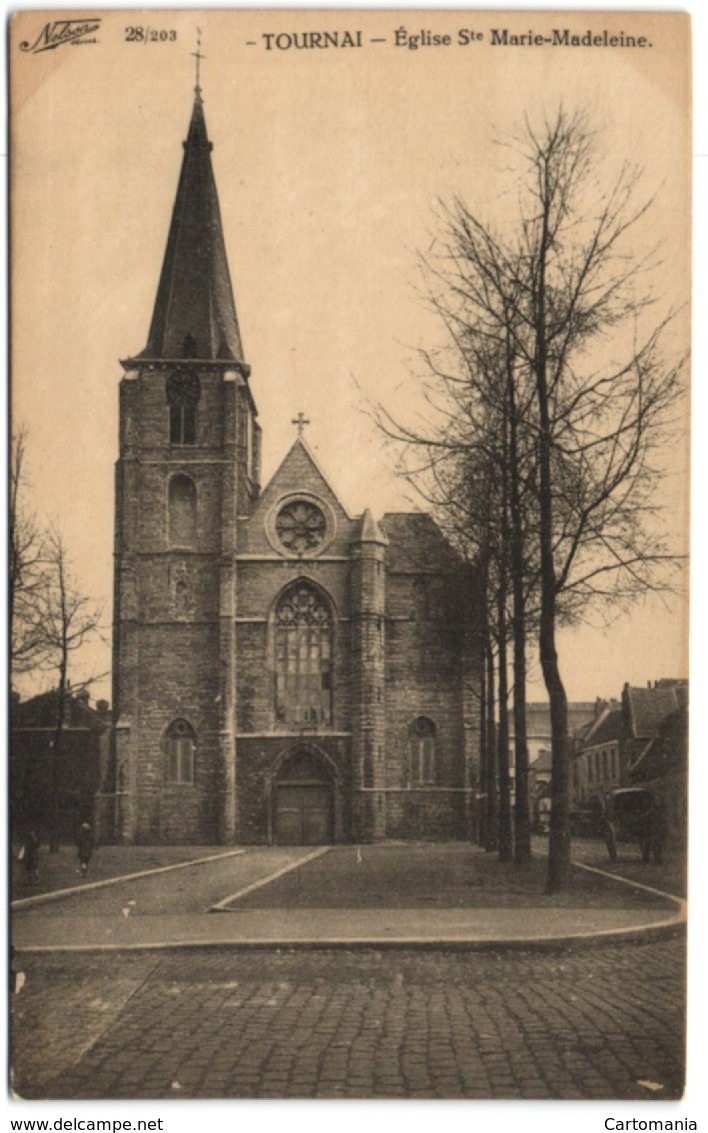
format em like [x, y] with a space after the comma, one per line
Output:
[60, 32]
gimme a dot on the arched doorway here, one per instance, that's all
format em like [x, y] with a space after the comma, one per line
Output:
[303, 801]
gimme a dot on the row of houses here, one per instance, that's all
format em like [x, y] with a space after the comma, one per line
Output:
[639, 740]
[76, 770]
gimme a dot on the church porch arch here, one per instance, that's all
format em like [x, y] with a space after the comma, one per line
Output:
[305, 799]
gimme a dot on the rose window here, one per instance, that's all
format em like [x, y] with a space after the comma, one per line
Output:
[301, 526]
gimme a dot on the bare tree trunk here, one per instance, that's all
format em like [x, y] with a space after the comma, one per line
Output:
[559, 839]
[483, 758]
[56, 762]
[522, 824]
[62, 643]
[505, 843]
[492, 832]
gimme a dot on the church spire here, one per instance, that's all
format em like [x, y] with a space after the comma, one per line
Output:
[195, 315]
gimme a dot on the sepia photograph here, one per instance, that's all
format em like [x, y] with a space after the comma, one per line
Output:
[348, 489]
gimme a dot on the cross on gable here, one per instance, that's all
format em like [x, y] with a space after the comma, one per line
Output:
[300, 421]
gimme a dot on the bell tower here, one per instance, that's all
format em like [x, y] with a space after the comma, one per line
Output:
[188, 470]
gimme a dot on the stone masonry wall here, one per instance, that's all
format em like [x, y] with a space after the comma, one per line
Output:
[168, 599]
[424, 677]
[177, 676]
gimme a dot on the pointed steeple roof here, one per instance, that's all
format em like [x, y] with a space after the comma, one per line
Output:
[195, 314]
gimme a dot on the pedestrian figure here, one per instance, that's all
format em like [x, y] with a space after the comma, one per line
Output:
[654, 833]
[85, 844]
[29, 854]
[17, 978]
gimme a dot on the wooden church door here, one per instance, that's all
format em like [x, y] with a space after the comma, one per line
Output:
[303, 803]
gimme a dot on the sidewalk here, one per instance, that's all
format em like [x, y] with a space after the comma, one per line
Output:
[60, 870]
[298, 898]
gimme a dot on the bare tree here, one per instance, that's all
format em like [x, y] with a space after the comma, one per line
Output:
[64, 620]
[561, 355]
[25, 564]
[561, 286]
[469, 469]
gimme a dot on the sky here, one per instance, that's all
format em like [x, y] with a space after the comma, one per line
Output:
[331, 166]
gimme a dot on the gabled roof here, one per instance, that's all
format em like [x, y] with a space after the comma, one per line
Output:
[417, 543]
[301, 467]
[610, 727]
[647, 708]
[667, 752]
[581, 733]
[542, 762]
[195, 315]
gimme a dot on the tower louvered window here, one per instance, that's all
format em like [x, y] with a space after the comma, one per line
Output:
[183, 391]
[303, 658]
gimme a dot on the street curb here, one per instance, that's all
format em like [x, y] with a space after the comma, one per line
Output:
[674, 925]
[223, 905]
[664, 930]
[72, 890]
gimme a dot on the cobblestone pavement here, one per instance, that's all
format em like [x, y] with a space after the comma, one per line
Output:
[595, 1023]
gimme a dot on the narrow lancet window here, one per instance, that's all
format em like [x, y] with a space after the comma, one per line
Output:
[182, 512]
[181, 751]
[422, 766]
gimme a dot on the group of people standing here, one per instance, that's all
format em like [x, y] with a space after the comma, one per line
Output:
[29, 853]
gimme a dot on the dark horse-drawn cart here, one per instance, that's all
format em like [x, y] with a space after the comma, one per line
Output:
[635, 814]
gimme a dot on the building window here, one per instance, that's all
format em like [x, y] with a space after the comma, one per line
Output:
[183, 392]
[183, 421]
[182, 511]
[181, 747]
[422, 768]
[303, 657]
[301, 526]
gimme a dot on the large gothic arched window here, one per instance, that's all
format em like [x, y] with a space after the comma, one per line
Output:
[303, 657]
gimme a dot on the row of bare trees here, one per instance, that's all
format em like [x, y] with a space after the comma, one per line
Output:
[50, 618]
[551, 402]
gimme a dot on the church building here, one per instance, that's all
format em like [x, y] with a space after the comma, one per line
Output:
[283, 672]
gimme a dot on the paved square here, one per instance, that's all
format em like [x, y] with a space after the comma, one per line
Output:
[589, 1024]
[576, 1021]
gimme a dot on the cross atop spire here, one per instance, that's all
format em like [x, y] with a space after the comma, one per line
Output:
[198, 56]
[300, 421]
[194, 314]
